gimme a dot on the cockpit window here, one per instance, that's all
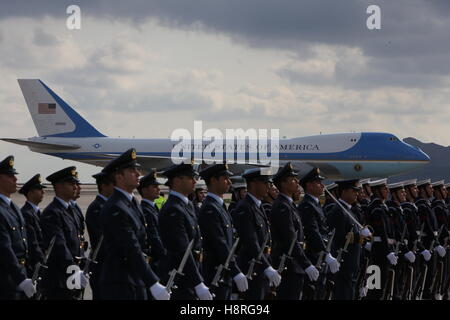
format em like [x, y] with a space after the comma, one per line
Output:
[393, 139]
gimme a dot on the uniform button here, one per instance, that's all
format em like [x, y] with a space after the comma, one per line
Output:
[14, 228]
[193, 228]
[228, 226]
[24, 239]
[22, 228]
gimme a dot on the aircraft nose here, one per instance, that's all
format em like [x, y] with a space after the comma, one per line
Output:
[419, 155]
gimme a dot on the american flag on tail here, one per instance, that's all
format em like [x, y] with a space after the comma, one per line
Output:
[47, 108]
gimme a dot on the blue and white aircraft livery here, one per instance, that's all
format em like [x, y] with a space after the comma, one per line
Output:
[64, 133]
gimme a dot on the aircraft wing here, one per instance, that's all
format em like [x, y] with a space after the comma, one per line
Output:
[42, 145]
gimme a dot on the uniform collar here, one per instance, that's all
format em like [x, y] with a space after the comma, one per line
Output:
[179, 195]
[125, 193]
[6, 199]
[64, 203]
[215, 197]
[35, 207]
[312, 197]
[257, 201]
[102, 197]
[149, 202]
[287, 197]
[73, 202]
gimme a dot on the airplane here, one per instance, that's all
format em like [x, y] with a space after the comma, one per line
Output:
[65, 134]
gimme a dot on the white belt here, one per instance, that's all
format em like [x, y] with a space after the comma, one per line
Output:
[378, 239]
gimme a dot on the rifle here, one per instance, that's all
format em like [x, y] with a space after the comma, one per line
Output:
[174, 272]
[287, 255]
[257, 260]
[408, 292]
[36, 278]
[323, 269]
[92, 257]
[436, 283]
[221, 267]
[418, 292]
[330, 282]
[388, 291]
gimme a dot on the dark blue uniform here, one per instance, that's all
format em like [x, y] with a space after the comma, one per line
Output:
[383, 243]
[314, 225]
[218, 238]
[346, 277]
[34, 235]
[13, 250]
[285, 221]
[56, 220]
[178, 226]
[95, 232]
[158, 253]
[252, 227]
[126, 273]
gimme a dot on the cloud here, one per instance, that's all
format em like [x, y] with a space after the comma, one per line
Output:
[41, 38]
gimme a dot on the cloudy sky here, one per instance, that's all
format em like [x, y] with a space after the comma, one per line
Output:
[144, 68]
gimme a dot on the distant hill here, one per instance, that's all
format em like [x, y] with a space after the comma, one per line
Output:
[437, 169]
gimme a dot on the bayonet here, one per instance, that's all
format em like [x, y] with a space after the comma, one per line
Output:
[225, 266]
[179, 271]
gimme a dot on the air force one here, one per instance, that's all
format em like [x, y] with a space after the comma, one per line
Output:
[65, 134]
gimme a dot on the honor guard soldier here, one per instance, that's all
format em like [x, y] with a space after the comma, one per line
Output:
[218, 237]
[347, 239]
[314, 223]
[126, 273]
[13, 239]
[105, 189]
[440, 209]
[287, 232]
[431, 227]
[405, 248]
[60, 220]
[149, 190]
[33, 190]
[178, 227]
[447, 199]
[253, 229]
[382, 246]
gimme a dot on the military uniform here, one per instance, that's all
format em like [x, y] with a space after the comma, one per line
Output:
[253, 228]
[285, 225]
[126, 273]
[178, 227]
[158, 253]
[31, 214]
[383, 238]
[13, 242]
[59, 219]
[218, 237]
[429, 239]
[346, 278]
[95, 233]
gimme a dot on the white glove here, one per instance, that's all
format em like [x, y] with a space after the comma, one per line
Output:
[440, 250]
[392, 258]
[365, 232]
[273, 276]
[159, 292]
[241, 282]
[426, 254]
[332, 263]
[410, 256]
[202, 292]
[312, 273]
[27, 287]
[368, 246]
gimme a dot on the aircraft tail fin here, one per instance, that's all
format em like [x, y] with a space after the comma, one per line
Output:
[52, 116]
